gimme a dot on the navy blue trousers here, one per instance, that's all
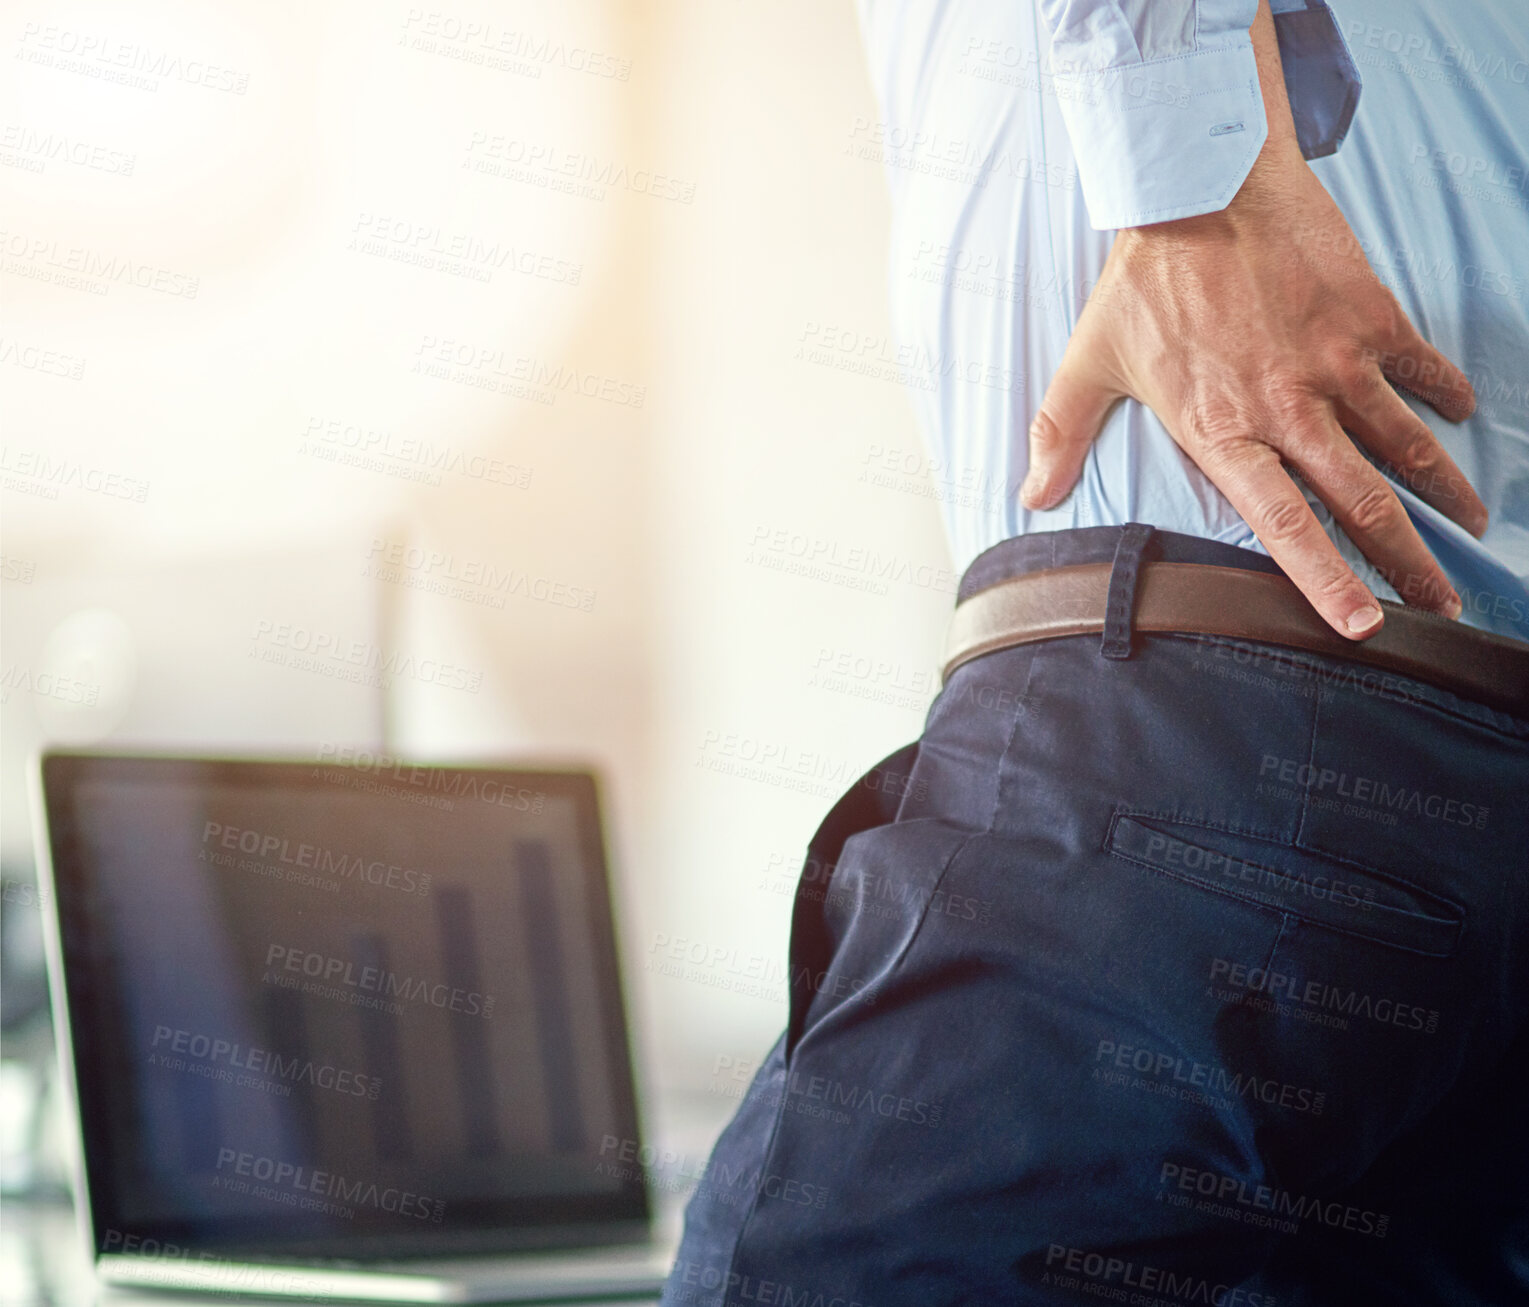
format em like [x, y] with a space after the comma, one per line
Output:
[1194, 973]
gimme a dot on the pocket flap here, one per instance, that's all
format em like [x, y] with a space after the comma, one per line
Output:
[1284, 878]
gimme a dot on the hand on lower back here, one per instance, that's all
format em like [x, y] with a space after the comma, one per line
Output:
[1260, 337]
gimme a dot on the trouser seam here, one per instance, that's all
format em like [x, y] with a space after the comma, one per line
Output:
[1008, 745]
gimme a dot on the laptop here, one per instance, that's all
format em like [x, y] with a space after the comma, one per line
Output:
[344, 1031]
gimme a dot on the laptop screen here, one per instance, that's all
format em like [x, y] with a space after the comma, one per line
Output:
[339, 1010]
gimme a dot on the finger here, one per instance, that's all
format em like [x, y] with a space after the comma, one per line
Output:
[1249, 474]
[1409, 450]
[1070, 416]
[1366, 507]
[1417, 367]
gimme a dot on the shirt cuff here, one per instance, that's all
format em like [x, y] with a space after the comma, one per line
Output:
[1164, 139]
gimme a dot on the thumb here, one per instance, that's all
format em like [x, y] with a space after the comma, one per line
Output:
[1070, 416]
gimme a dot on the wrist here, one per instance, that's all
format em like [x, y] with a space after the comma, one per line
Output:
[1277, 177]
[1273, 184]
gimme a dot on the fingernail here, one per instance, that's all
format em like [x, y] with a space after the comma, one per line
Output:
[1362, 620]
[1454, 607]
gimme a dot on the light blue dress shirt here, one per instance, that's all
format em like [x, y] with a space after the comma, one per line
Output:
[1089, 115]
[1164, 99]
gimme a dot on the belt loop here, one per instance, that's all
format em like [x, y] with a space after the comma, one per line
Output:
[1116, 642]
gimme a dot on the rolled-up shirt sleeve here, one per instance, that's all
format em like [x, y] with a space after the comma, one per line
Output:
[1161, 102]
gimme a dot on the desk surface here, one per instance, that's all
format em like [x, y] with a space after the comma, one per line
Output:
[43, 1264]
[43, 1261]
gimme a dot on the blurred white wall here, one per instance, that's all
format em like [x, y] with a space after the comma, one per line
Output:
[760, 462]
[500, 307]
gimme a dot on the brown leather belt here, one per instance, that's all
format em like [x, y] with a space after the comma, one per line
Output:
[1195, 598]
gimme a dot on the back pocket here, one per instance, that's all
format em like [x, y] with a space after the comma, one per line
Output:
[1314, 888]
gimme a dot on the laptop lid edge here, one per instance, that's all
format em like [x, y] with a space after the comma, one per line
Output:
[58, 999]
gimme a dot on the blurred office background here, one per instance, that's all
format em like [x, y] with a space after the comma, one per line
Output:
[534, 351]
